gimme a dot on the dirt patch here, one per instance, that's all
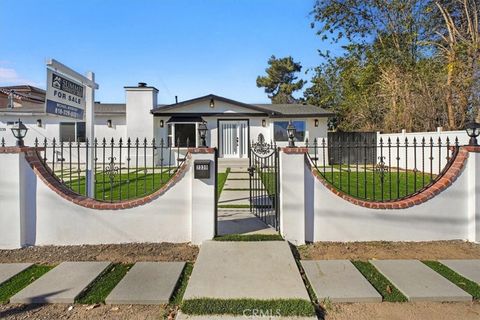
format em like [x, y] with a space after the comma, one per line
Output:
[431, 250]
[62, 311]
[121, 253]
[405, 311]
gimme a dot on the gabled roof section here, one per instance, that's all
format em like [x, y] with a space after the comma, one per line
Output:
[160, 110]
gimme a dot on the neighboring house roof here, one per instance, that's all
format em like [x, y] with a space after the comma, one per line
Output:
[39, 109]
[25, 93]
[270, 110]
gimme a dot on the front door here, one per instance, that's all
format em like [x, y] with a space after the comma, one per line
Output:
[233, 138]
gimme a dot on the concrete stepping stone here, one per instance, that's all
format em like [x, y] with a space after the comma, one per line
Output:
[147, 283]
[9, 270]
[469, 269]
[62, 284]
[256, 270]
[339, 281]
[234, 197]
[418, 282]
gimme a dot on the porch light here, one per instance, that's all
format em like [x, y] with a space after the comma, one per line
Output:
[264, 123]
[316, 122]
[109, 123]
[212, 103]
[39, 122]
[19, 131]
[161, 123]
[473, 131]
[291, 130]
[202, 130]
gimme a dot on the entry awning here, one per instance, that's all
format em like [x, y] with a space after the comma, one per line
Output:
[180, 119]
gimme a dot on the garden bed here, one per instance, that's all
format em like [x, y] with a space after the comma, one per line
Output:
[431, 250]
[117, 253]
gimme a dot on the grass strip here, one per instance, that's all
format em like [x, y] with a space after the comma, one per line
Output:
[179, 291]
[249, 237]
[221, 179]
[277, 307]
[388, 291]
[21, 280]
[234, 206]
[466, 285]
[98, 291]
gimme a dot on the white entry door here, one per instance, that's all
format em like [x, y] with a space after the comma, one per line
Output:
[233, 139]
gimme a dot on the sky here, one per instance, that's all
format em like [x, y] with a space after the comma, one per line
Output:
[184, 48]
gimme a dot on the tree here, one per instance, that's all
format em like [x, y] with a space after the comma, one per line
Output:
[280, 82]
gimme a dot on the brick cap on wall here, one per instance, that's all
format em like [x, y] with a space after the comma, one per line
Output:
[294, 150]
[452, 173]
[55, 185]
[15, 149]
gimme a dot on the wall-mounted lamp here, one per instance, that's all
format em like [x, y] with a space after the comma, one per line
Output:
[473, 131]
[316, 122]
[264, 123]
[212, 103]
[109, 123]
[39, 122]
[161, 123]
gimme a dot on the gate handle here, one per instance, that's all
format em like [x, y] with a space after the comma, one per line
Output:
[251, 170]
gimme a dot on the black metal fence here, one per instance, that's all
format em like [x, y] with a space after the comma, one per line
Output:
[121, 169]
[401, 169]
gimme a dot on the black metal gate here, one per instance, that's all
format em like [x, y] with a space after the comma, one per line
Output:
[264, 182]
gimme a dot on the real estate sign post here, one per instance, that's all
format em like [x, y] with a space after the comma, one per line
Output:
[72, 95]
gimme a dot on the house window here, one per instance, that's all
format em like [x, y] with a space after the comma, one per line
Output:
[182, 134]
[280, 130]
[72, 131]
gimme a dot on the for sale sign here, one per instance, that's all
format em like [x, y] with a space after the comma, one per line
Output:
[65, 97]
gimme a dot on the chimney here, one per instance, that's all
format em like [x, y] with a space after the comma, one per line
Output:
[140, 100]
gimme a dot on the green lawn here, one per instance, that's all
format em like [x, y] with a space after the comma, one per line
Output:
[98, 291]
[388, 291]
[122, 186]
[221, 179]
[368, 185]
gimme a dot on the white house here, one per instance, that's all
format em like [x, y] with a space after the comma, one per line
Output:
[232, 125]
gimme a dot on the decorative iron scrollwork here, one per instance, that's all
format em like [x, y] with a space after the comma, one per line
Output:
[381, 168]
[111, 169]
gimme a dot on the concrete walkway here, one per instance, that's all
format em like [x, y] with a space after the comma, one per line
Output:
[247, 316]
[255, 270]
[236, 192]
[418, 282]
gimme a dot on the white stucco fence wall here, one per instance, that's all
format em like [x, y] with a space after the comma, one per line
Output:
[311, 212]
[31, 213]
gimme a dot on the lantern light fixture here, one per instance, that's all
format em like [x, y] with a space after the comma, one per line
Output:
[202, 131]
[264, 123]
[161, 123]
[291, 130]
[316, 122]
[19, 131]
[212, 103]
[109, 123]
[39, 122]
[473, 131]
